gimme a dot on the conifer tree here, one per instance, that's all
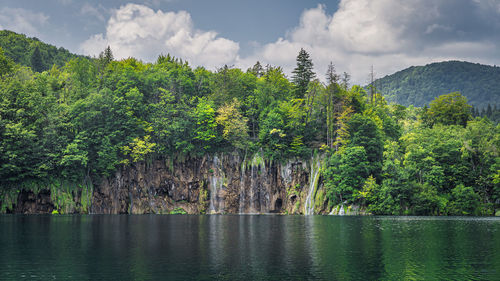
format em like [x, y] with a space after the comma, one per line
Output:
[332, 77]
[302, 74]
[106, 56]
[36, 60]
[257, 70]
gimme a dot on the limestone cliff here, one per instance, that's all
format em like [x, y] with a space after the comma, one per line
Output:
[225, 183]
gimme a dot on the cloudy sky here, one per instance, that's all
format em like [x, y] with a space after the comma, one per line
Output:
[354, 34]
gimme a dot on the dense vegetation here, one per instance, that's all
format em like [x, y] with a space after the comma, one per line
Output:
[32, 52]
[77, 123]
[418, 85]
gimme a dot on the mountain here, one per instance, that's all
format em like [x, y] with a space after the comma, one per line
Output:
[32, 52]
[418, 85]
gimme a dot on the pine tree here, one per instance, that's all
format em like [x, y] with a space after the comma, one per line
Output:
[256, 70]
[332, 77]
[345, 80]
[302, 74]
[36, 60]
[489, 111]
[106, 56]
[372, 85]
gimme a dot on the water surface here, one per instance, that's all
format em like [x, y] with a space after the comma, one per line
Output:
[248, 247]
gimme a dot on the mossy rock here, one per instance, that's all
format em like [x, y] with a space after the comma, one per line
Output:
[178, 211]
[497, 213]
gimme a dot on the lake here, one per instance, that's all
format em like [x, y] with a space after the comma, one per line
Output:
[248, 247]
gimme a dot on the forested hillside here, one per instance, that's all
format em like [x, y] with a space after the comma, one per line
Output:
[32, 52]
[82, 121]
[418, 85]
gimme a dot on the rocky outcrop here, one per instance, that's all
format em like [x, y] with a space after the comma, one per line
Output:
[224, 183]
[29, 202]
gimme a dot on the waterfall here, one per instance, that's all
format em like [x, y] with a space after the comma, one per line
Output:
[263, 194]
[216, 182]
[341, 211]
[286, 172]
[252, 197]
[131, 197]
[152, 203]
[242, 187]
[252, 190]
[313, 182]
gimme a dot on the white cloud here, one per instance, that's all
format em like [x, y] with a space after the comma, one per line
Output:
[22, 20]
[138, 31]
[388, 34]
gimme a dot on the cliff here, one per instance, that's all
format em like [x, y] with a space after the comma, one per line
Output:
[226, 183]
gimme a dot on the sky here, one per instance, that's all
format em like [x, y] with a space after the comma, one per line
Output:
[353, 34]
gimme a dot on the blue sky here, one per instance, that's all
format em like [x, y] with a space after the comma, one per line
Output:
[354, 34]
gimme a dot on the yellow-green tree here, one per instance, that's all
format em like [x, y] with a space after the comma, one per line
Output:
[233, 123]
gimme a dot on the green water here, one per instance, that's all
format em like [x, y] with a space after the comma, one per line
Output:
[183, 247]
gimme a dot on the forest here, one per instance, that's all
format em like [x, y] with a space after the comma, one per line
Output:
[418, 85]
[83, 119]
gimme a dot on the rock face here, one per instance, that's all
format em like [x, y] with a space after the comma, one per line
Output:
[29, 202]
[226, 183]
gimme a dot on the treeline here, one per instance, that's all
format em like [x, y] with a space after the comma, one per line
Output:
[84, 120]
[32, 52]
[491, 112]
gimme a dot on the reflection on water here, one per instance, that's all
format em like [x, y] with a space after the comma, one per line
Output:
[248, 247]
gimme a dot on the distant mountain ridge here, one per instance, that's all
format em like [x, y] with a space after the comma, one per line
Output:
[418, 85]
[22, 49]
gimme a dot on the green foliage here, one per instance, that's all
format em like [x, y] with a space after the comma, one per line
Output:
[302, 74]
[234, 124]
[31, 52]
[345, 174]
[419, 85]
[81, 120]
[178, 211]
[36, 60]
[364, 132]
[450, 109]
[6, 64]
[138, 149]
[426, 201]
[206, 127]
[464, 201]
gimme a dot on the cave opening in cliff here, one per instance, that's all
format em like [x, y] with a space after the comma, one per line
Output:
[278, 204]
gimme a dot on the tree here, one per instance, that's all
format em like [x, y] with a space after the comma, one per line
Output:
[234, 124]
[105, 57]
[364, 132]
[332, 77]
[206, 129]
[450, 109]
[36, 60]
[256, 70]
[345, 81]
[302, 74]
[345, 174]
[138, 149]
[6, 65]
[464, 201]
[108, 55]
